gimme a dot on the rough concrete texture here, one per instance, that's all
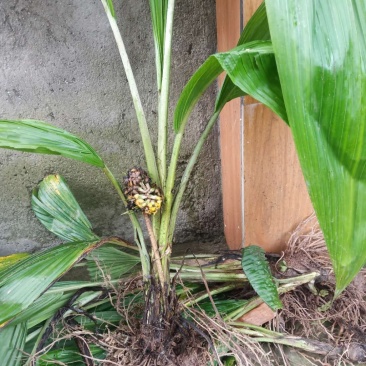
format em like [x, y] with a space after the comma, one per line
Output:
[59, 63]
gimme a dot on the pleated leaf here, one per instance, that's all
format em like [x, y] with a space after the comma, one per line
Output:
[43, 308]
[110, 261]
[256, 268]
[57, 209]
[40, 137]
[251, 67]
[11, 259]
[12, 341]
[22, 283]
[158, 9]
[320, 48]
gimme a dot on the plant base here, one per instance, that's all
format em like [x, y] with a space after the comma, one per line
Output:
[155, 335]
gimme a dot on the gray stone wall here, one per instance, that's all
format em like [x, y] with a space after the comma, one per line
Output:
[59, 63]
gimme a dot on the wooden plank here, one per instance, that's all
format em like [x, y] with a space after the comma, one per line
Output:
[228, 32]
[264, 194]
[276, 199]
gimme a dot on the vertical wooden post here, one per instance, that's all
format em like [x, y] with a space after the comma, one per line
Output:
[264, 193]
[228, 15]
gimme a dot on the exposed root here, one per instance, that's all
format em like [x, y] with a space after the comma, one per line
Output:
[180, 336]
[226, 341]
[309, 310]
[153, 334]
[143, 347]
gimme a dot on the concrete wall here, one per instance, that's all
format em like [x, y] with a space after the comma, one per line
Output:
[59, 63]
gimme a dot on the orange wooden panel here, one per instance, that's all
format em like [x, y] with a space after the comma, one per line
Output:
[275, 195]
[228, 30]
[232, 173]
[264, 194]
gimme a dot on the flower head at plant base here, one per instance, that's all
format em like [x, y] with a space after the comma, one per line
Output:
[141, 193]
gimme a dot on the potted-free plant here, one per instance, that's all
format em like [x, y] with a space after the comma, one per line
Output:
[295, 57]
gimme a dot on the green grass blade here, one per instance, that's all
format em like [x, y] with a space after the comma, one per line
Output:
[57, 209]
[12, 341]
[22, 283]
[256, 268]
[320, 51]
[40, 137]
[251, 67]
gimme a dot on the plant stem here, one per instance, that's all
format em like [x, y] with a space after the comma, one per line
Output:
[187, 174]
[145, 135]
[288, 284]
[164, 94]
[170, 213]
[264, 335]
[139, 237]
[291, 283]
[155, 250]
[204, 295]
[165, 220]
[211, 277]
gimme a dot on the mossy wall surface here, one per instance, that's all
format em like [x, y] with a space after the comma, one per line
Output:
[59, 63]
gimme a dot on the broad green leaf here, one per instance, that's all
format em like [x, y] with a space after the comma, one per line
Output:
[57, 209]
[158, 9]
[251, 67]
[11, 259]
[256, 268]
[22, 283]
[257, 29]
[12, 340]
[320, 48]
[112, 262]
[40, 137]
